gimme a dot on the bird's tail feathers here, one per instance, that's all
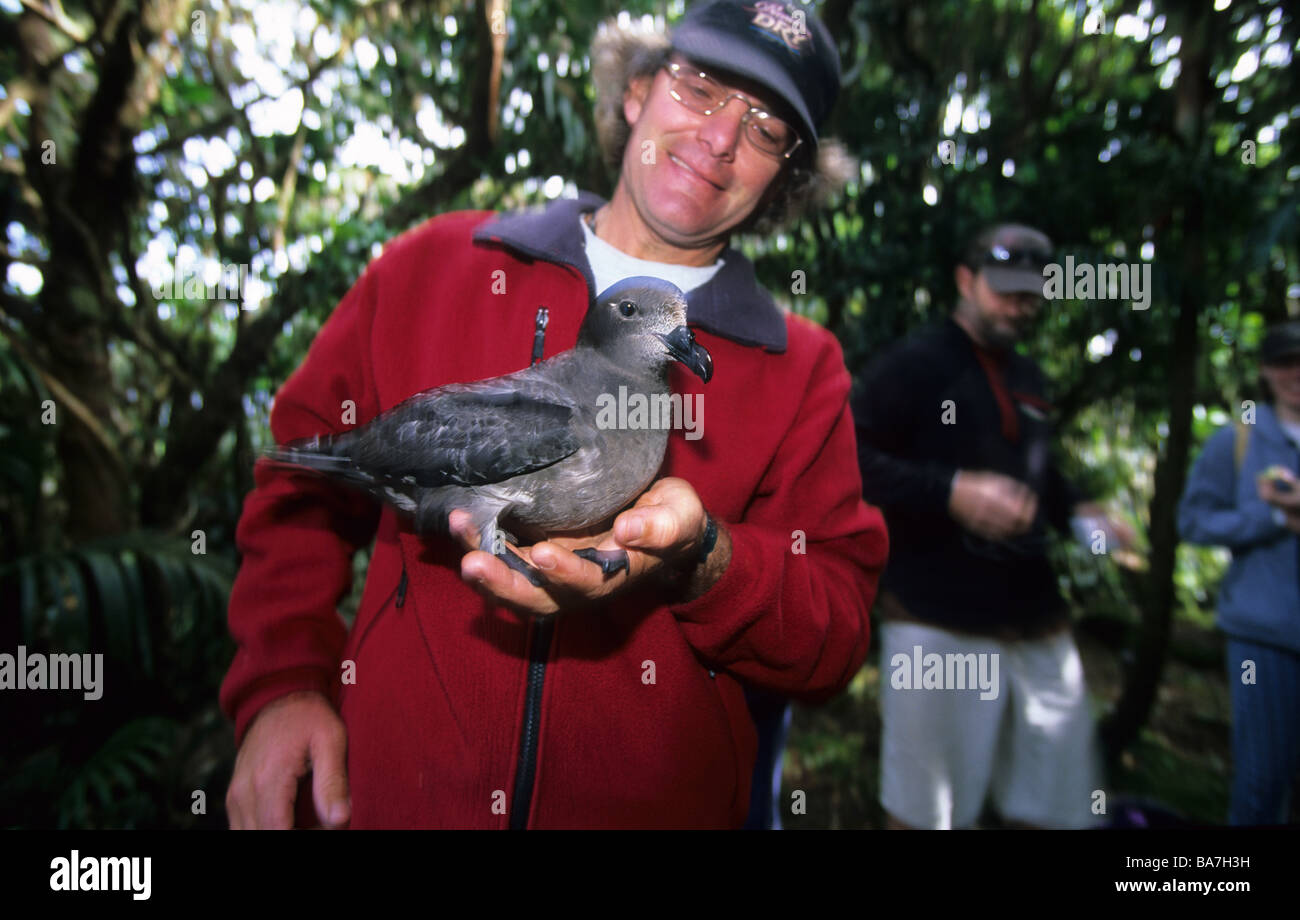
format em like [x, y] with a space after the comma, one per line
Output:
[314, 454]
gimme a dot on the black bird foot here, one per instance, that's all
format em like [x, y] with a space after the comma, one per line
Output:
[609, 560]
[523, 568]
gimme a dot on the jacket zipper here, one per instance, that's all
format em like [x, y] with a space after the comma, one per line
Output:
[539, 332]
[539, 649]
[526, 772]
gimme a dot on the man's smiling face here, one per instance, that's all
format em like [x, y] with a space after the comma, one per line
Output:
[706, 176]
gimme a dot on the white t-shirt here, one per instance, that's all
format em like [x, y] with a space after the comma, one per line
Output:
[609, 264]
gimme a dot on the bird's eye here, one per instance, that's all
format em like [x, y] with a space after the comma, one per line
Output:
[627, 308]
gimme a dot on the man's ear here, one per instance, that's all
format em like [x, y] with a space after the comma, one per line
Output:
[635, 96]
[770, 193]
[965, 279]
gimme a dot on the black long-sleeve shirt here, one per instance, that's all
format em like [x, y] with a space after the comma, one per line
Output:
[926, 408]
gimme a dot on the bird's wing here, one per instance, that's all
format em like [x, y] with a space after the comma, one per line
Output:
[466, 434]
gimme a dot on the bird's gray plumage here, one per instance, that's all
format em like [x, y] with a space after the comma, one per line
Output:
[525, 450]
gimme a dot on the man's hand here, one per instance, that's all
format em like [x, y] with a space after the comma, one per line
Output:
[1286, 500]
[292, 735]
[1125, 537]
[661, 533]
[1278, 486]
[991, 505]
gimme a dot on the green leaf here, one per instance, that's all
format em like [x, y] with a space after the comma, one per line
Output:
[29, 603]
[71, 626]
[136, 603]
[114, 604]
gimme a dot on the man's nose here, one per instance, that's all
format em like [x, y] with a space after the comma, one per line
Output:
[721, 131]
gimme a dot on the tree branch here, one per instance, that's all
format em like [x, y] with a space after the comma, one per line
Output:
[65, 396]
[59, 19]
[287, 186]
[177, 134]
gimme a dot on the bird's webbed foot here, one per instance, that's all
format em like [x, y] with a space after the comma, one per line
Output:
[519, 565]
[496, 541]
[609, 560]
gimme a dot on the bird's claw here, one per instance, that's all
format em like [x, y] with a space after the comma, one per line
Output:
[519, 565]
[609, 560]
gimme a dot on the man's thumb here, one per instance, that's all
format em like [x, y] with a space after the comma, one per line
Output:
[329, 780]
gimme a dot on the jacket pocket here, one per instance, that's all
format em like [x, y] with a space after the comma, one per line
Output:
[394, 596]
[744, 737]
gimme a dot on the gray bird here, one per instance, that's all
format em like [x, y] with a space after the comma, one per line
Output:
[527, 450]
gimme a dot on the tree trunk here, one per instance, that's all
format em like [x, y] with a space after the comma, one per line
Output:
[1142, 678]
[94, 483]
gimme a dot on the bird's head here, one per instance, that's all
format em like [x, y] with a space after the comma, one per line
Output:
[640, 322]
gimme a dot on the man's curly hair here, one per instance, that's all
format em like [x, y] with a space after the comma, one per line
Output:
[621, 54]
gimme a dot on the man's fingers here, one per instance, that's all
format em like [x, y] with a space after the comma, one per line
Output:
[492, 577]
[462, 528]
[329, 779]
[651, 528]
[1028, 512]
[481, 568]
[564, 568]
[1126, 535]
[235, 808]
[1014, 508]
[274, 793]
[659, 522]
[565, 573]
[558, 563]
[645, 527]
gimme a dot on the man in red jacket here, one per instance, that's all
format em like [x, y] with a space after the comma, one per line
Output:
[463, 695]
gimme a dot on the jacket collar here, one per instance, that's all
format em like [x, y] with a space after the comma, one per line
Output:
[1268, 424]
[731, 304]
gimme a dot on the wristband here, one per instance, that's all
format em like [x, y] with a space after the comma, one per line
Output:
[709, 541]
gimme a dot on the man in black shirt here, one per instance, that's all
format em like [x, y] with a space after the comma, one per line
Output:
[983, 688]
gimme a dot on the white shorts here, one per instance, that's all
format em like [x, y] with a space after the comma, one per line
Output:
[984, 716]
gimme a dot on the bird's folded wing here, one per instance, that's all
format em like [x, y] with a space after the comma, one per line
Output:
[467, 434]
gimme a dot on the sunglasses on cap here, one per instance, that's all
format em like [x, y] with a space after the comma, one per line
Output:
[1002, 257]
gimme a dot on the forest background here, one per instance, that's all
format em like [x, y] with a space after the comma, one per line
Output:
[281, 143]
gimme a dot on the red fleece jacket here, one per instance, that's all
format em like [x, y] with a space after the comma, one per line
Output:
[434, 717]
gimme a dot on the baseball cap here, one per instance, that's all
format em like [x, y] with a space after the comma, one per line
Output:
[779, 45]
[1280, 341]
[1013, 260]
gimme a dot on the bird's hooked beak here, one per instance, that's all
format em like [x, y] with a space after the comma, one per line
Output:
[682, 346]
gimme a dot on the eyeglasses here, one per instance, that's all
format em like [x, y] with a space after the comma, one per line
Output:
[704, 95]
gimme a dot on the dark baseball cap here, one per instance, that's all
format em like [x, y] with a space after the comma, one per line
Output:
[1012, 258]
[779, 45]
[1281, 341]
